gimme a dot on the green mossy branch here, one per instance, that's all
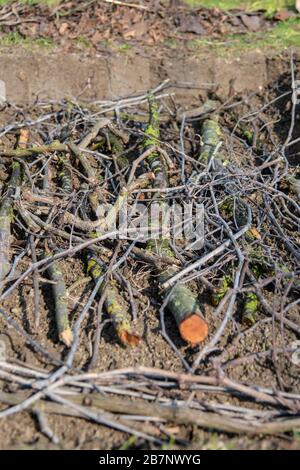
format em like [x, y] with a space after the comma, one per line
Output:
[114, 305]
[182, 303]
[65, 175]
[61, 303]
[251, 304]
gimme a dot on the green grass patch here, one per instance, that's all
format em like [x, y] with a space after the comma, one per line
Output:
[83, 43]
[15, 39]
[33, 2]
[125, 47]
[129, 443]
[283, 36]
[269, 6]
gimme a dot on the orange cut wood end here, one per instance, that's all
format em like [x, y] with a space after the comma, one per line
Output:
[66, 337]
[193, 329]
[129, 339]
[24, 137]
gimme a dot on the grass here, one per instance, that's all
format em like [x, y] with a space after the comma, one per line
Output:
[33, 2]
[129, 443]
[83, 43]
[284, 35]
[15, 39]
[269, 6]
[125, 47]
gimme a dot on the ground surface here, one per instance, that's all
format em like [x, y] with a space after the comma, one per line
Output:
[105, 28]
[105, 31]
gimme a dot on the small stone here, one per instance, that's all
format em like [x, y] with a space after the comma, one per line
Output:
[15, 310]
[251, 22]
[22, 76]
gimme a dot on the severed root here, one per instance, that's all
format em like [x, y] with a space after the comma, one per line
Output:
[250, 309]
[234, 207]
[193, 329]
[182, 303]
[211, 137]
[114, 306]
[152, 139]
[22, 152]
[23, 139]
[66, 337]
[61, 304]
[185, 308]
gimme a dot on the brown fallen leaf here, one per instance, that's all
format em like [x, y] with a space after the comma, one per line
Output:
[283, 15]
[63, 28]
[173, 429]
[137, 31]
[22, 76]
[255, 233]
[97, 37]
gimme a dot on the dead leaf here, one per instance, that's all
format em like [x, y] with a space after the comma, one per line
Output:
[251, 22]
[255, 233]
[106, 34]
[173, 430]
[63, 28]
[29, 31]
[22, 76]
[97, 37]
[155, 36]
[283, 15]
[137, 31]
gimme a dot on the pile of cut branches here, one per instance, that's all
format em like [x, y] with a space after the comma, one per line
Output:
[69, 173]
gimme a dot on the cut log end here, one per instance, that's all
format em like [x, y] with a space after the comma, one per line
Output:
[193, 329]
[129, 339]
[66, 337]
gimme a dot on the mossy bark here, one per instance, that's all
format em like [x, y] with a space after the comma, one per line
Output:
[65, 175]
[232, 207]
[219, 293]
[151, 139]
[182, 303]
[250, 308]
[61, 304]
[114, 305]
[55, 146]
[211, 136]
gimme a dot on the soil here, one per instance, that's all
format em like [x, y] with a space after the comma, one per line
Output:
[99, 26]
[98, 72]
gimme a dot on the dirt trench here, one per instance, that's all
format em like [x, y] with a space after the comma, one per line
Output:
[49, 75]
[29, 76]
